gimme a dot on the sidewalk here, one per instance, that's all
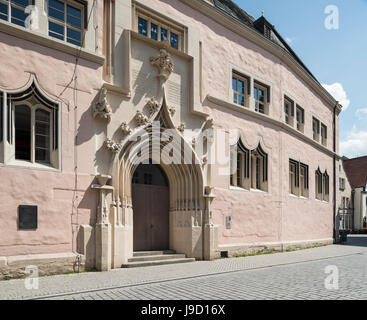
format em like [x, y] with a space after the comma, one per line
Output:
[77, 283]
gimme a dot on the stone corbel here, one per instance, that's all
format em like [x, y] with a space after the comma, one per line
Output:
[102, 108]
[113, 146]
[172, 111]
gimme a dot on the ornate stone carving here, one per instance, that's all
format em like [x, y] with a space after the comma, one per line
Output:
[125, 129]
[204, 161]
[141, 119]
[164, 64]
[172, 111]
[102, 108]
[153, 106]
[112, 145]
[181, 128]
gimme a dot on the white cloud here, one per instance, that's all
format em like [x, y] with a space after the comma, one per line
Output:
[361, 114]
[339, 94]
[355, 145]
[289, 40]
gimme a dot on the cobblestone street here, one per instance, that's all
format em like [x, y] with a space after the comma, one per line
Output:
[290, 275]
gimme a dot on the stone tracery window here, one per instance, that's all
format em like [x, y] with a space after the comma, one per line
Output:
[322, 185]
[249, 169]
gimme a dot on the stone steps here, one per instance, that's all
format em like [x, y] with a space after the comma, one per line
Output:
[156, 258]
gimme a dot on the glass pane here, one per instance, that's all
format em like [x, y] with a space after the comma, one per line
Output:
[154, 31]
[56, 4]
[3, 9]
[234, 84]
[22, 132]
[142, 26]
[174, 40]
[18, 16]
[235, 98]
[56, 28]
[56, 14]
[164, 34]
[22, 3]
[74, 17]
[241, 100]
[73, 34]
[241, 86]
[42, 136]
[56, 35]
[255, 93]
[72, 41]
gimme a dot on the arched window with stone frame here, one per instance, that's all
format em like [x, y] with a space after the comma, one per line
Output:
[240, 166]
[259, 169]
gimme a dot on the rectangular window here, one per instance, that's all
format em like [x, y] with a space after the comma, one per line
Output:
[262, 98]
[159, 30]
[239, 89]
[292, 177]
[316, 129]
[325, 187]
[14, 11]
[289, 111]
[300, 118]
[65, 22]
[324, 135]
[318, 185]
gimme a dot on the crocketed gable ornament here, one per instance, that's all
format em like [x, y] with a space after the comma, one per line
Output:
[153, 106]
[102, 108]
[112, 145]
[141, 119]
[125, 129]
[163, 63]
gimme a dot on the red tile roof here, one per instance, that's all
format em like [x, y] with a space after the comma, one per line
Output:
[356, 170]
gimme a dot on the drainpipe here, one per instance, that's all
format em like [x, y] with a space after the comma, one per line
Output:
[334, 174]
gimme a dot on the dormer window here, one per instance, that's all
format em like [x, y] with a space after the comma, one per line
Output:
[159, 30]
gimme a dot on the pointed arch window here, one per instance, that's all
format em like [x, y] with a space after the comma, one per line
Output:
[249, 168]
[32, 135]
[322, 185]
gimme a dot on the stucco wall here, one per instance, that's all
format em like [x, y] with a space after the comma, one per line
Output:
[275, 215]
[63, 196]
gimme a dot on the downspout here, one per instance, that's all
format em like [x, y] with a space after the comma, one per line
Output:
[335, 236]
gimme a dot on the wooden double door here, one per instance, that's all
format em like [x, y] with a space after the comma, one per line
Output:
[150, 195]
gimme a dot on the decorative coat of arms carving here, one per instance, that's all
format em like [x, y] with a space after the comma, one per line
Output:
[112, 145]
[141, 119]
[102, 108]
[164, 64]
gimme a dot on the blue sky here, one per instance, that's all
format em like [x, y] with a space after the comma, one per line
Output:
[335, 57]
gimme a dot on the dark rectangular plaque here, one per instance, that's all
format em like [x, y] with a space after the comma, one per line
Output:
[27, 219]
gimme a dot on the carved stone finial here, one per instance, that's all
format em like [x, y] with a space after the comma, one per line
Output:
[153, 106]
[181, 128]
[164, 64]
[102, 108]
[112, 145]
[125, 129]
[141, 119]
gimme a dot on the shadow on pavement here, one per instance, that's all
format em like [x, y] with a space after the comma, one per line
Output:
[359, 240]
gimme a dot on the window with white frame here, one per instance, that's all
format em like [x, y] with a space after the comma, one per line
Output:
[240, 89]
[261, 97]
[289, 111]
[32, 128]
[159, 30]
[66, 21]
[14, 11]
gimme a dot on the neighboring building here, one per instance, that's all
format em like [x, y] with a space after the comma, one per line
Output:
[356, 170]
[213, 78]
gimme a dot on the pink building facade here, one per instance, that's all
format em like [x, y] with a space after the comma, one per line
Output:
[81, 93]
